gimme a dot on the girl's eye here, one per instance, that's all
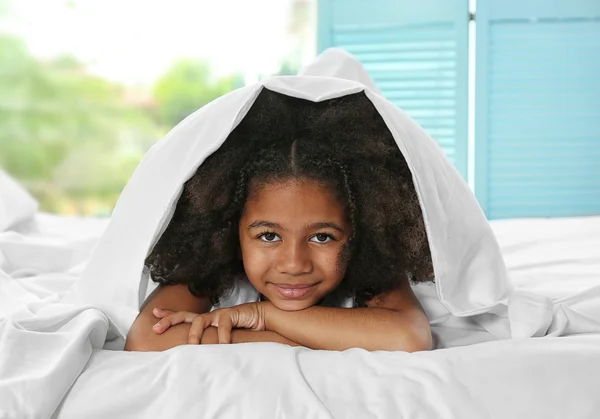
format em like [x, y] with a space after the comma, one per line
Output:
[322, 238]
[268, 236]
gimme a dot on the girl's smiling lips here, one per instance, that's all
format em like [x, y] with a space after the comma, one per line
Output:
[294, 290]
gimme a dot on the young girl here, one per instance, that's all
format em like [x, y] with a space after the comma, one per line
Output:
[304, 228]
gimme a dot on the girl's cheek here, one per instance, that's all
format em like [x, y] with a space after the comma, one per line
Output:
[254, 264]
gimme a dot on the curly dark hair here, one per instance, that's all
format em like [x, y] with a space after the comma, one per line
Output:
[342, 143]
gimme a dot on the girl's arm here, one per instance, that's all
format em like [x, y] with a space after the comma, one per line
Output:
[141, 337]
[244, 336]
[394, 322]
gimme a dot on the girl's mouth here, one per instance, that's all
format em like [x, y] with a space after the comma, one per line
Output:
[294, 290]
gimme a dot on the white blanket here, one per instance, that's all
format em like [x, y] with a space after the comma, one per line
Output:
[528, 378]
[52, 360]
[522, 378]
[16, 204]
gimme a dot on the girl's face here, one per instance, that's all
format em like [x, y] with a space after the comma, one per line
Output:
[291, 237]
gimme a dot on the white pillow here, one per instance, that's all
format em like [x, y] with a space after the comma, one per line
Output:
[16, 204]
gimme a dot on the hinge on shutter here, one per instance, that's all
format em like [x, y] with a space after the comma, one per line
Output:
[471, 16]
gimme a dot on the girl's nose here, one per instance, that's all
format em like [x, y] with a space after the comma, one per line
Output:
[294, 259]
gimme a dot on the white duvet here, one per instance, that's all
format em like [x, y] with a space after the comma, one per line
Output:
[67, 299]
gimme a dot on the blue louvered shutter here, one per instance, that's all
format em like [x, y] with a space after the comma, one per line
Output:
[537, 135]
[416, 52]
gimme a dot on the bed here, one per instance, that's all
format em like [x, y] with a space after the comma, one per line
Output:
[469, 375]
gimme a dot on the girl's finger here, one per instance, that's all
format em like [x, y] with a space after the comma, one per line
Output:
[161, 312]
[224, 330]
[199, 324]
[173, 319]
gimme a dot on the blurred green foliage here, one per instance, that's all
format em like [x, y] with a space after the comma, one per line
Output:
[74, 139]
[187, 86]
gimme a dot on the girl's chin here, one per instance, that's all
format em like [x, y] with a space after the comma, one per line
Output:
[291, 305]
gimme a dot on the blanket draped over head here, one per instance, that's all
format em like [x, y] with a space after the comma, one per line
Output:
[470, 275]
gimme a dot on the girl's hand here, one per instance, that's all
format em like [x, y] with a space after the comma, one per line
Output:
[245, 316]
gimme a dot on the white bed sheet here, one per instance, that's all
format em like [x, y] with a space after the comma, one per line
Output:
[504, 379]
[41, 257]
[556, 257]
[519, 378]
